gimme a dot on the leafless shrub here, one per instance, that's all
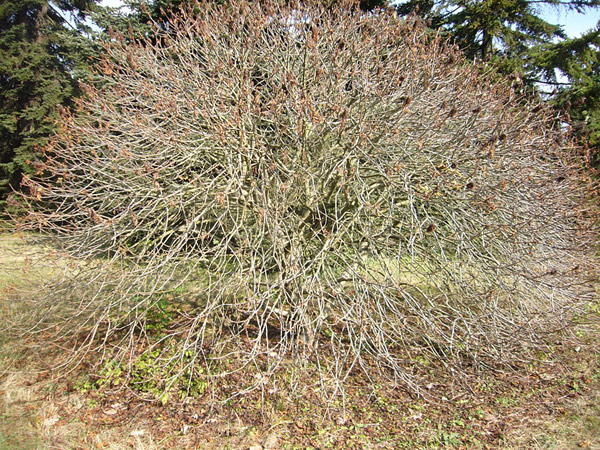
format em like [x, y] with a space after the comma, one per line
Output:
[328, 184]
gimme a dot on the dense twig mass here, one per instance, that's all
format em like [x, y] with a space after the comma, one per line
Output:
[319, 182]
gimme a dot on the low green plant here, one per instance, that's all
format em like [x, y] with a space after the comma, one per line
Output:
[450, 439]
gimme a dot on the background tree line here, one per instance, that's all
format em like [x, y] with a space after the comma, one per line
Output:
[48, 48]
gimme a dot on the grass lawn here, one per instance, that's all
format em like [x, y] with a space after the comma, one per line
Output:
[546, 405]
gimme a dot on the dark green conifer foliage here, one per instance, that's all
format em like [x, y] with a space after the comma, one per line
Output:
[39, 65]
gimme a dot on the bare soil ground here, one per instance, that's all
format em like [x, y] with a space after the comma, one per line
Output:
[547, 405]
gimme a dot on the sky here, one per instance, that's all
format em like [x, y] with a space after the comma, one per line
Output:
[574, 24]
[111, 2]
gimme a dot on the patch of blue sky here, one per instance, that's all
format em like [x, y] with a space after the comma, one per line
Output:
[574, 24]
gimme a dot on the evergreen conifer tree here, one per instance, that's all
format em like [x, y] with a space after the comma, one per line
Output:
[38, 72]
